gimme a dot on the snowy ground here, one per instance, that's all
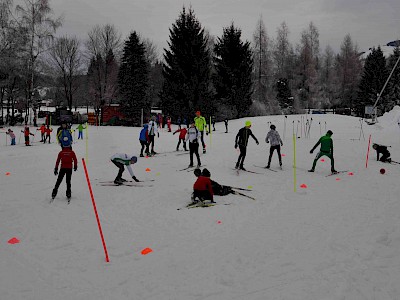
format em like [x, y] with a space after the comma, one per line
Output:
[337, 239]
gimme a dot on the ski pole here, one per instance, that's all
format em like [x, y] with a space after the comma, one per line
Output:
[297, 129]
[320, 128]
[293, 126]
[284, 127]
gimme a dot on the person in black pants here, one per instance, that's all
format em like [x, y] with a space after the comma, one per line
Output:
[276, 143]
[242, 139]
[67, 158]
[380, 149]
[193, 137]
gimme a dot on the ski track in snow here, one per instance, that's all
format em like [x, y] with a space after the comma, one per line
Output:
[337, 239]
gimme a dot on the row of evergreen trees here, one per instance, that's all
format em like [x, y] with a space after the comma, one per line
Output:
[226, 76]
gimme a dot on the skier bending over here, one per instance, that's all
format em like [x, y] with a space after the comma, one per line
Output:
[326, 149]
[276, 143]
[121, 160]
[67, 157]
[380, 149]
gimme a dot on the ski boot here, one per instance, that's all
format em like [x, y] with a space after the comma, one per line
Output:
[53, 193]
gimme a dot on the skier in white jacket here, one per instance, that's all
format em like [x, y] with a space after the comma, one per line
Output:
[121, 160]
[152, 130]
[276, 143]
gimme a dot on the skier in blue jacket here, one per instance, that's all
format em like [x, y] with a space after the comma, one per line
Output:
[144, 140]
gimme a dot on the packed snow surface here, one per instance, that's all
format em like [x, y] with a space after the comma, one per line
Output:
[339, 238]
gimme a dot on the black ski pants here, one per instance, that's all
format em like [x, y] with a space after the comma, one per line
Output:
[202, 139]
[151, 137]
[179, 143]
[242, 156]
[68, 173]
[144, 144]
[121, 168]
[271, 151]
[194, 149]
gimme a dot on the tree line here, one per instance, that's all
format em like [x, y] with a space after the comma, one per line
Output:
[226, 76]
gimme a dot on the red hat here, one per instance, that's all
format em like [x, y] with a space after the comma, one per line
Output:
[198, 112]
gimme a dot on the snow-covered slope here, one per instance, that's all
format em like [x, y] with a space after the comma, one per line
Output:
[337, 239]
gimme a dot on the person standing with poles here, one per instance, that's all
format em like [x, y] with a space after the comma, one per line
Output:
[193, 137]
[242, 139]
[152, 128]
[326, 149]
[276, 143]
[200, 123]
[80, 131]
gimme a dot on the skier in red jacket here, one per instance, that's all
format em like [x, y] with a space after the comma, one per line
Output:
[202, 189]
[68, 158]
[182, 136]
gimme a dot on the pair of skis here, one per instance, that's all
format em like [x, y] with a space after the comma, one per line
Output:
[189, 169]
[127, 183]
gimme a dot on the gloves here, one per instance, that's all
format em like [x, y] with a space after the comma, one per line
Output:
[257, 143]
[267, 142]
[75, 168]
[55, 171]
[236, 145]
[311, 151]
[134, 178]
[281, 144]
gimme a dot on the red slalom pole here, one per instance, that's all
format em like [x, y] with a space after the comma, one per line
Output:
[369, 143]
[95, 210]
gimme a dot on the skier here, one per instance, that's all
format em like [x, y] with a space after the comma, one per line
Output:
[182, 135]
[201, 123]
[380, 149]
[121, 160]
[202, 189]
[67, 157]
[326, 149]
[12, 136]
[80, 131]
[226, 125]
[193, 137]
[48, 134]
[64, 137]
[276, 143]
[219, 190]
[152, 128]
[213, 122]
[42, 130]
[169, 123]
[144, 140]
[242, 139]
[26, 135]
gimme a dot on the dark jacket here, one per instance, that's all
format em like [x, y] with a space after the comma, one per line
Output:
[242, 138]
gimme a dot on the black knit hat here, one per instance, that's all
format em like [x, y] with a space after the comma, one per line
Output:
[206, 173]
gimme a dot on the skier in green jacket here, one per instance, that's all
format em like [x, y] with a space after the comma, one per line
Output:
[200, 123]
[80, 131]
[326, 149]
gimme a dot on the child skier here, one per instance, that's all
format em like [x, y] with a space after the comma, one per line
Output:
[42, 130]
[169, 123]
[276, 143]
[67, 158]
[380, 149]
[80, 131]
[202, 189]
[201, 123]
[26, 135]
[219, 190]
[193, 137]
[182, 135]
[12, 136]
[48, 134]
[121, 160]
[144, 140]
[152, 128]
[242, 139]
[64, 137]
[326, 149]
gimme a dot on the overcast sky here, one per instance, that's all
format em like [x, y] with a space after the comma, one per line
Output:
[369, 22]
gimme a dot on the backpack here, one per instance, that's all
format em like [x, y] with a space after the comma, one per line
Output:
[65, 138]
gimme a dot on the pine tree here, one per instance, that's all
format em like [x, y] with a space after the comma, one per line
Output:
[234, 64]
[186, 71]
[133, 79]
[284, 95]
[393, 86]
[372, 81]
